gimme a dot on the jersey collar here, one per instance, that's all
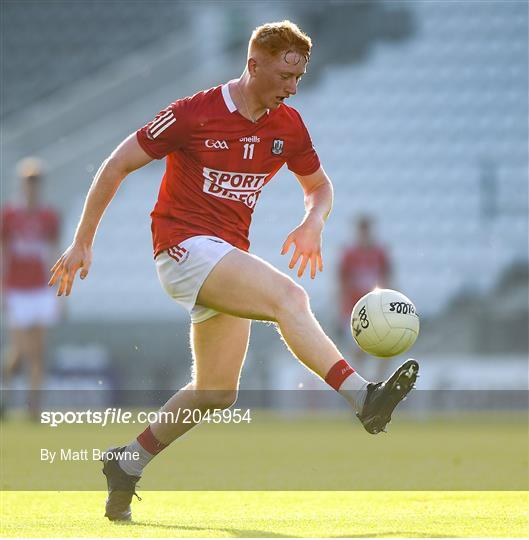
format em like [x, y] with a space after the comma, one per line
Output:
[227, 98]
[231, 105]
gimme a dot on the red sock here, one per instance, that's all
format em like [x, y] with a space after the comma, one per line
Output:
[150, 443]
[338, 373]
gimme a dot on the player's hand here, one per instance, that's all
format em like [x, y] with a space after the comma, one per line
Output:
[76, 257]
[307, 246]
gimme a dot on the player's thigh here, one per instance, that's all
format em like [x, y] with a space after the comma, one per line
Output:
[244, 285]
[219, 349]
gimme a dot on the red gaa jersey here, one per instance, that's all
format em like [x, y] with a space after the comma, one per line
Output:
[362, 268]
[28, 236]
[217, 164]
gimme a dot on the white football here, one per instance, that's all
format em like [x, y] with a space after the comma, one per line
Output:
[384, 323]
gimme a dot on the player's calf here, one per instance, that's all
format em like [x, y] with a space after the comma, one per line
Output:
[215, 399]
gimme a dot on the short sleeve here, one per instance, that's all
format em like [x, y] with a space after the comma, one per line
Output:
[304, 160]
[167, 132]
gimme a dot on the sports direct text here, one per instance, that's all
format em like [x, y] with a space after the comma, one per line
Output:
[243, 187]
[112, 415]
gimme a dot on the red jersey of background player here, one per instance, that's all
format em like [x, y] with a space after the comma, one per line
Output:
[28, 235]
[217, 164]
[362, 268]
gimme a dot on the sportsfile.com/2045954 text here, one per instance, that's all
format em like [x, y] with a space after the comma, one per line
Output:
[113, 415]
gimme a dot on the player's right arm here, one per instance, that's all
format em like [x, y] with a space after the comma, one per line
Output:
[126, 158]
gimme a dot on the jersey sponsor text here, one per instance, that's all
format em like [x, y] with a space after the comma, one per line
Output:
[243, 187]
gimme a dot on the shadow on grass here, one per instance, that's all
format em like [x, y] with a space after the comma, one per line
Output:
[239, 533]
[249, 533]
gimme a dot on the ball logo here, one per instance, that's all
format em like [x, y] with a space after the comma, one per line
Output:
[218, 145]
[402, 307]
[363, 321]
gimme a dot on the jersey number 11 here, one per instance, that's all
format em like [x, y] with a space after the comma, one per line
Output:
[248, 151]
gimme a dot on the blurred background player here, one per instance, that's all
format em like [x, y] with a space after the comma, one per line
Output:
[30, 233]
[363, 265]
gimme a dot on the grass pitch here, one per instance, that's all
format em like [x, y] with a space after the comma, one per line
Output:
[271, 514]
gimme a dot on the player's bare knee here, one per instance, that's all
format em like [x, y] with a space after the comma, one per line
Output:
[291, 299]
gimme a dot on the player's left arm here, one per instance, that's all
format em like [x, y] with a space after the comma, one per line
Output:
[318, 196]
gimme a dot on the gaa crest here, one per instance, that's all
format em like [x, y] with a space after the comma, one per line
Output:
[277, 147]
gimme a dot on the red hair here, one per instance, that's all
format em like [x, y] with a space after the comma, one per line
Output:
[275, 38]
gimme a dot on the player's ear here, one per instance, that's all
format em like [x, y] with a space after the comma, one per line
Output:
[251, 66]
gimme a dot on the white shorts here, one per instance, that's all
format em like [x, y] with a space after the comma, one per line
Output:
[33, 307]
[182, 270]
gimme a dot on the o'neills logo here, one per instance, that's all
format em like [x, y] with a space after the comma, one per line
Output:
[243, 187]
[253, 138]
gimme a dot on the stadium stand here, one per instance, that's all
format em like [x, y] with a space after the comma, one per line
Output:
[47, 45]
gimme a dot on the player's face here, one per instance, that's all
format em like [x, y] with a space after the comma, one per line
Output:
[278, 78]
